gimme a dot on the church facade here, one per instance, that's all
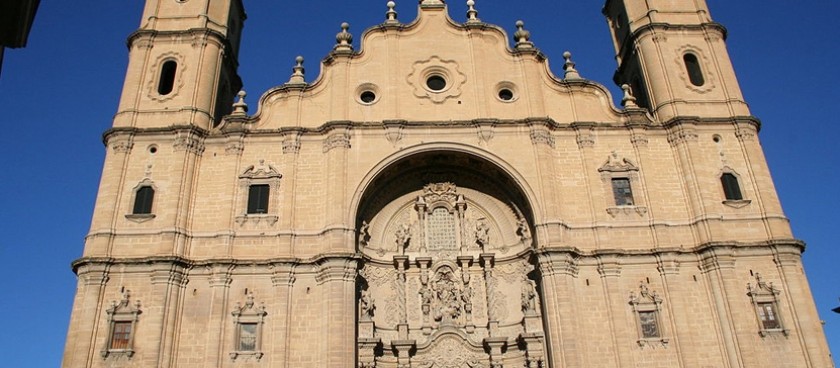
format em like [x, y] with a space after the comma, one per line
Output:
[439, 198]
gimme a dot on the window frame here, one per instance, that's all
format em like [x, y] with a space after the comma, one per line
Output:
[625, 197]
[617, 167]
[260, 205]
[649, 303]
[765, 294]
[260, 174]
[734, 203]
[142, 217]
[145, 208]
[121, 313]
[248, 314]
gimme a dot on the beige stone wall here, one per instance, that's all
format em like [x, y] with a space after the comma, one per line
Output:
[328, 158]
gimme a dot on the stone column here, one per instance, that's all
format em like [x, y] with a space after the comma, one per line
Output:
[191, 143]
[282, 279]
[490, 283]
[87, 318]
[337, 278]
[683, 139]
[220, 279]
[717, 264]
[168, 280]
[335, 148]
[557, 270]
[679, 312]
[797, 297]
[609, 267]
[401, 264]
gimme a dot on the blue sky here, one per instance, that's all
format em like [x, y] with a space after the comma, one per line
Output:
[59, 94]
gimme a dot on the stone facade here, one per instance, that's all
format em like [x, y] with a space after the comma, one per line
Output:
[439, 200]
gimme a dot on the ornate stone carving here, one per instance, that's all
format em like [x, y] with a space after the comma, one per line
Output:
[682, 135]
[291, 143]
[366, 305]
[188, 141]
[402, 237]
[542, 137]
[616, 164]
[337, 140]
[482, 234]
[450, 351]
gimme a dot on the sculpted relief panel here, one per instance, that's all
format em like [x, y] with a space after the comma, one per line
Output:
[447, 283]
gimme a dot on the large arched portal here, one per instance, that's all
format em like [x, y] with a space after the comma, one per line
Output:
[447, 279]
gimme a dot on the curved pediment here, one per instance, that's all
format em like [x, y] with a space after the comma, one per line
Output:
[434, 69]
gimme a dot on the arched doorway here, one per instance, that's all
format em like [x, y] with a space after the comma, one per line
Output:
[447, 278]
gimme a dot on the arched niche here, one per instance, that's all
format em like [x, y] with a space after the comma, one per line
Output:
[445, 239]
[443, 201]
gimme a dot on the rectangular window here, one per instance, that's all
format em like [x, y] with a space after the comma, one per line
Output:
[768, 316]
[247, 337]
[258, 198]
[650, 327]
[143, 200]
[622, 192]
[121, 335]
[730, 187]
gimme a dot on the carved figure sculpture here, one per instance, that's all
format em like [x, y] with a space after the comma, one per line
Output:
[482, 233]
[366, 305]
[364, 234]
[529, 295]
[523, 230]
[403, 236]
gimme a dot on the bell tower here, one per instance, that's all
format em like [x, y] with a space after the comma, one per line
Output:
[674, 57]
[182, 64]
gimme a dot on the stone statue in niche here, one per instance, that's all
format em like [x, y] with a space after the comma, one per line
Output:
[403, 237]
[364, 234]
[523, 230]
[482, 233]
[529, 295]
[449, 298]
[426, 298]
[366, 305]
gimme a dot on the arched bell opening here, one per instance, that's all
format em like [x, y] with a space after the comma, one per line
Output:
[446, 243]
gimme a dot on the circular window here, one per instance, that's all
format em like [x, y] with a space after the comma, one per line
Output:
[153, 149]
[436, 83]
[506, 94]
[367, 97]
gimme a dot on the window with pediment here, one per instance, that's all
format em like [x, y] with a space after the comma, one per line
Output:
[259, 203]
[143, 200]
[647, 309]
[248, 322]
[620, 177]
[765, 300]
[122, 324]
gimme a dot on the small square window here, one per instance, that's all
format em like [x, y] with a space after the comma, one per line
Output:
[121, 335]
[649, 324]
[622, 192]
[247, 336]
[258, 199]
[767, 315]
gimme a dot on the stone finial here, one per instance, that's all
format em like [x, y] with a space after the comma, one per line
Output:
[391, 14]
[569, 67]
[472, 14]
[628, 101]
[522, 36]
[298, 74]
[344, 40]
[240, 107]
